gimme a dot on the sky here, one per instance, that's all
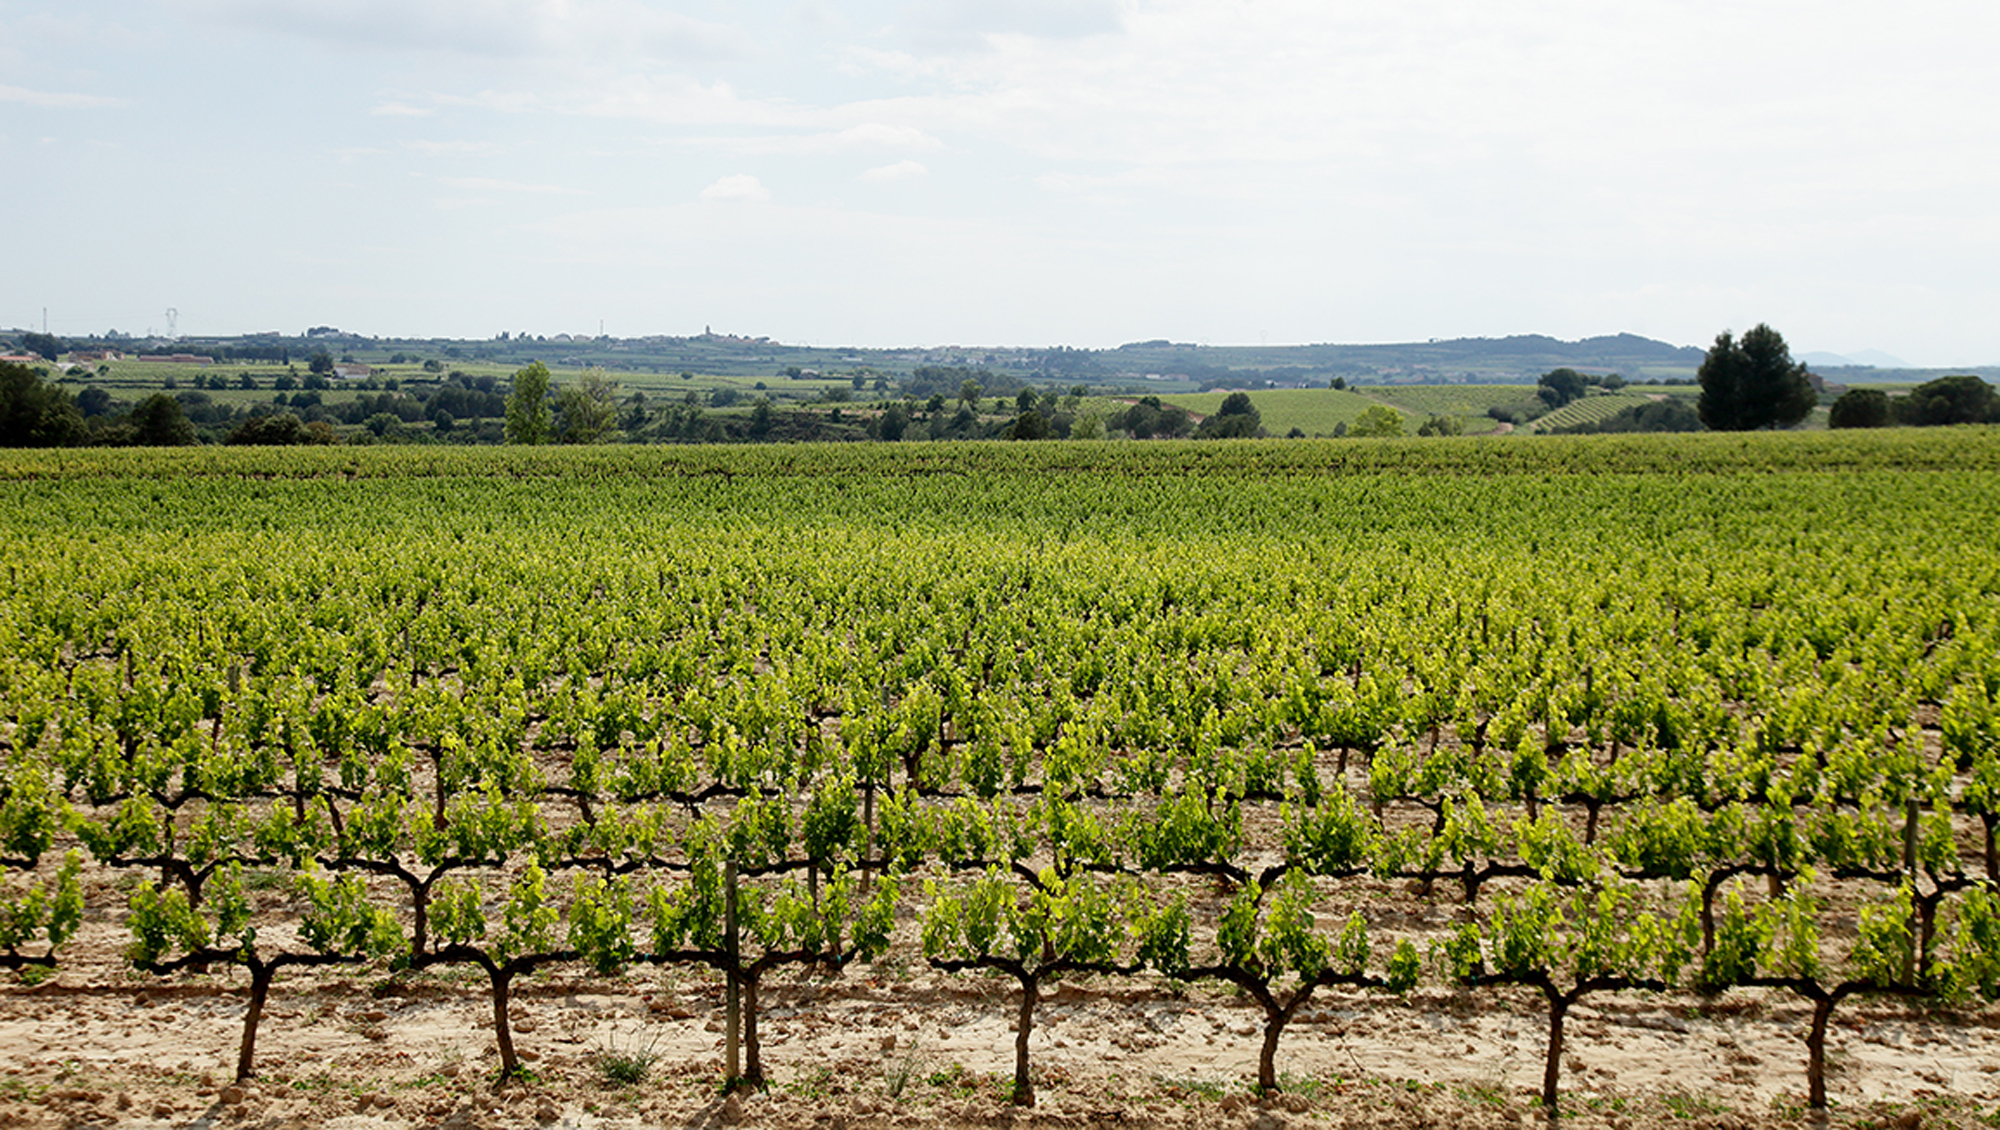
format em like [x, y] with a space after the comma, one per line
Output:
[1009, 172]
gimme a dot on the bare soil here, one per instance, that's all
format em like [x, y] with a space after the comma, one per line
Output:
[897, 1045]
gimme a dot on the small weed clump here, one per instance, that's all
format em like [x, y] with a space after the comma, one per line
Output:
[629, 1064]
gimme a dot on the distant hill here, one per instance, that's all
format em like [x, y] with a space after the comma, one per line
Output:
[1160, 364]
[1867, 358]
[1481, 360]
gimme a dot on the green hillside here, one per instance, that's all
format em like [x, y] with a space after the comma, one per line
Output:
[1591, 409]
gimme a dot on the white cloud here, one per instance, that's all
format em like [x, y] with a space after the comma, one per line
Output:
[56, 99]
[901, 170]
[400, 110]
[736, 187]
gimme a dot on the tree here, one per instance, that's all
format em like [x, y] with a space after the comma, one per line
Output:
[527, 408]
[158, 421]
[1028, 425]
[1949, 400]
[588, 409]
[321, 363]
[1379, 422]
[1560, 386]
[895, 421]
[35, 412]
[1237, 418]
[46, 346]
[1753, 383]
[1151, 417]
[1860, 408]
[280, 430]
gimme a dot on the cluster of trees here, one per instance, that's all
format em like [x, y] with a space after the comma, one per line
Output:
[221, 381]
[1558, 387]
[585, 412]
[1237, 418]
[280, 430]
[45, 346]
[957, 381]
[1151, 418]
[246, 351]
[1043, 416]
[1947, 400]
[37, 413]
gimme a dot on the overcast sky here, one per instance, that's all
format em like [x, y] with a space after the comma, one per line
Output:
[1010, 172]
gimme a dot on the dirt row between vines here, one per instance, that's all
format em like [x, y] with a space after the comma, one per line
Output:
[897, 1045]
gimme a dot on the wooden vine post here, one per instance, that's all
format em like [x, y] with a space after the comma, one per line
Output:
[732, 1008]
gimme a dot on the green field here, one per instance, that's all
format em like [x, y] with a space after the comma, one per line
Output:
[1467, 402]
[1593, 409]
[1317, 412]
[1314, 411]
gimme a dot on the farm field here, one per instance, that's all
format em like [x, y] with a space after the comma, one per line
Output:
[1314, 411]
[1468, 402]
[1406, 783]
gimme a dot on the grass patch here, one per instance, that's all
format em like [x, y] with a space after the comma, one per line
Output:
[1688, 1106]
[1486, 1094]
[629, 1064]
[1185, 1090]
[817, 1085]
[898, 1078]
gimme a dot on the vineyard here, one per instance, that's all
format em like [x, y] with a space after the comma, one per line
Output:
[1705, 727]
